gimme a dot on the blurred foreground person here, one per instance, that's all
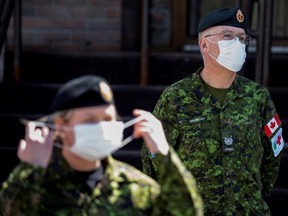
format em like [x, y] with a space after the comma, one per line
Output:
[67, 169]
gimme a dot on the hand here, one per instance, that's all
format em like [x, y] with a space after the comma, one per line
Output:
[151, 130]
[37, 147]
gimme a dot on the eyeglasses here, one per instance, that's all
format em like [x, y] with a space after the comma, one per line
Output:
[227, 35]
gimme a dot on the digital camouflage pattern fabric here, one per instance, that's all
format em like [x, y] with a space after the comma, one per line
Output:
[223, 145]
[124, 191]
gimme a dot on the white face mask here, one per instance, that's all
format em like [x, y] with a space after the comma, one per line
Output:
[98, 140]
[232, 54]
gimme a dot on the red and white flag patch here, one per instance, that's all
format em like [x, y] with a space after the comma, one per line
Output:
[277, 142]
[272, 125]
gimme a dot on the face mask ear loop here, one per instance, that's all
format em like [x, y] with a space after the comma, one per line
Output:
[44, 124]
[133, 121]
[127, 140]
[38, 124]
[211, 40]
[128, 124]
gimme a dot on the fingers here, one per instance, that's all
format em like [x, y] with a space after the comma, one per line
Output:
[137, 112]
[50, 139]
[30, 128]
[21, 148]
[145, 114]
[22, 145]
[151, 130]
[148, 125]
[45, 131]
[36, 134]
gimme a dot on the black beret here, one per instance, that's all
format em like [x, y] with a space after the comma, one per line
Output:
[88, 90]
[225, 16]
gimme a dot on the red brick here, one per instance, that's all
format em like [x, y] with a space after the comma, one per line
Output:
[54, 36]
[43, 22]
[86, 36]
[70, 2]
[105, 2]
[69, 24]
[52, 11]
[114, 14]
[108, 26]
[87, 12]
[37, 2]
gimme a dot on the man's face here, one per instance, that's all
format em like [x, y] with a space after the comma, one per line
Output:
[212, 35]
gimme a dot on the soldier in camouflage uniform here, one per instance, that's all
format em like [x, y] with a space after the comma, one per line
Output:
[223, 126]
[84, 180]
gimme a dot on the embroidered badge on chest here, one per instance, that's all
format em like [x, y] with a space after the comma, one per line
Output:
[228, 140]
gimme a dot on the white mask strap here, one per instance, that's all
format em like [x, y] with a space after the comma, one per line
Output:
[209, 53]
[45, 124]
[133, 121]
[128, 124]
[124, 142]
[212, 56]
[211, 41]
[127, 140]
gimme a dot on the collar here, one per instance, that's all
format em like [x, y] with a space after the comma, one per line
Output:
[202, 94]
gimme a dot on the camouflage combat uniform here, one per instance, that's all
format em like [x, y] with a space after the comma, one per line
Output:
[223, 145]
[124, 190]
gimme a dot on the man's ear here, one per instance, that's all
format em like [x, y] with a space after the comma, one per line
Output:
[203, 45]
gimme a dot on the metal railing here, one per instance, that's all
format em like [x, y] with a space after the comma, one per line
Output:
[263, 35]
[8, 8]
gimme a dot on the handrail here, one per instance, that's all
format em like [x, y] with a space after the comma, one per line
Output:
[144, 71]
[263, 35]
[6, 11]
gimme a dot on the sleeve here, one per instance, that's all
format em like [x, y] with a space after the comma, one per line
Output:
[179, 194]
[21, 181]
[273, 144]
[165, 112]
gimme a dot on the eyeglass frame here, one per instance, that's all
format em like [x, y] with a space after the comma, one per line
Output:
[244, 40]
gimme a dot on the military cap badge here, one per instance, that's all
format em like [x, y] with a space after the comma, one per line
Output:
[239, 16]
[105, 91]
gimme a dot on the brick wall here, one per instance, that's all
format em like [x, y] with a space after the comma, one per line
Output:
[70, 25]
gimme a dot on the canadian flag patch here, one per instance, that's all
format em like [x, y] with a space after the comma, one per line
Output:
[277, 142]
[272, 125]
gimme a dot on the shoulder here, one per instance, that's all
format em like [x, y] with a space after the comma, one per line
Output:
[180, 89]
[252, 88]
[181, 84]
[250, 84]
[25, 171]
[24, 178]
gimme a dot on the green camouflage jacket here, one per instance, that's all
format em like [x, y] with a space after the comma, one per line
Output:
[124, 190]
[232, 149]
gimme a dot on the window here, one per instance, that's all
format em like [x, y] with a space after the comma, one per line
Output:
[173, 23]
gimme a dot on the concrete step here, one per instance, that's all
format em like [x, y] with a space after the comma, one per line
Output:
[31, 98]
[124, 67]
[31, 101]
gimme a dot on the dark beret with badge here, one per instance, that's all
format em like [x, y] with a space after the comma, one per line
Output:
[225, 16]
[88, 90]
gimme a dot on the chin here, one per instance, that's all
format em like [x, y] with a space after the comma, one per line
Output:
[79, 163]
